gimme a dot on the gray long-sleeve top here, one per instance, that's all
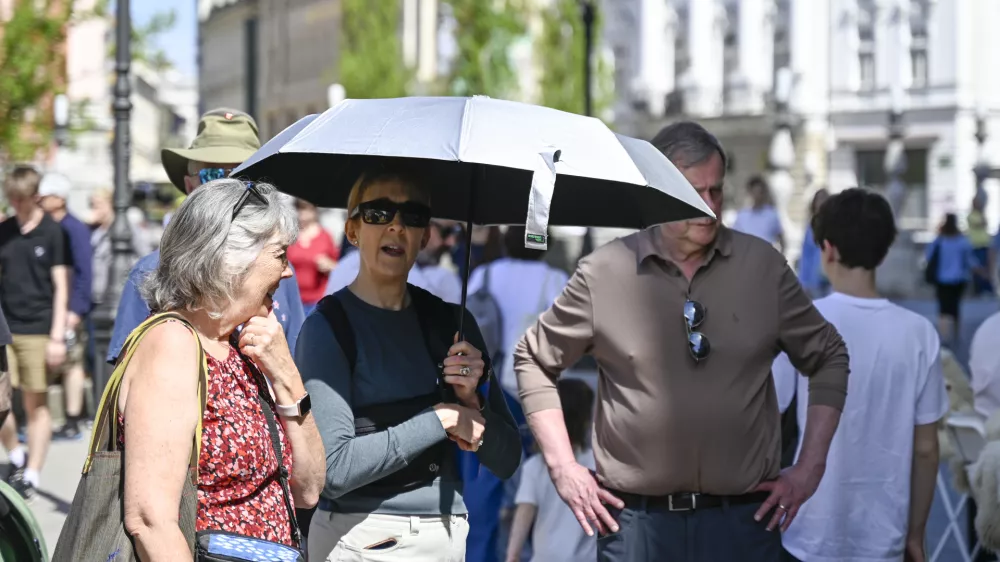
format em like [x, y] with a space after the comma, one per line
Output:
[393, 364]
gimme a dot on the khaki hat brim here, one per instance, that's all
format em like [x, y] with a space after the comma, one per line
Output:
[175, 160]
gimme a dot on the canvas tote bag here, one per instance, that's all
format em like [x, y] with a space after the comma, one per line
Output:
[95, 527]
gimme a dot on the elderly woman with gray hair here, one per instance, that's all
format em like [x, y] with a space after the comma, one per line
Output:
[222, 257]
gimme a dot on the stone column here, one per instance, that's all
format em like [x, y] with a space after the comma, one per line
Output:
[657, 28]
[756, 56]
[703, 90]
[845, 72]
[781, 156]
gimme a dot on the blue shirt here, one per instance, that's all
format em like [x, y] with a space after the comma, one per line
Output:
[810, 266]
[132, 310]
[78, 240]
[955, 259]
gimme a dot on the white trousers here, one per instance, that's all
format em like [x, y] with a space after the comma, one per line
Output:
[362, 537]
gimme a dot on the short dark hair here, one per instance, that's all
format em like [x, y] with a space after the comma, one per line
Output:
[757, 180]
[859, 223]
[513, 242]
[577, 400]
[687, 144]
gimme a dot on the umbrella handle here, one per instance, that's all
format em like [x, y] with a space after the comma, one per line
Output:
[473, 188]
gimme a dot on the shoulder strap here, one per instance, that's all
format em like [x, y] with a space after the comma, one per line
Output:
[333, 310]
[107, 419]
[439, 323]
[272, 429]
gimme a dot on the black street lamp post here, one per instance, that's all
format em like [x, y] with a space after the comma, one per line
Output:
[121, 234]
[587, 7]
[588, 54]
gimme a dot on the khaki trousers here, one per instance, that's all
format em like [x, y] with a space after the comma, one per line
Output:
[349, 537]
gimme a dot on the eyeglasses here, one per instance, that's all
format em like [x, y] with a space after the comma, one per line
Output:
[383, 211]
[250, 191]
[211, 174]
[694, 315]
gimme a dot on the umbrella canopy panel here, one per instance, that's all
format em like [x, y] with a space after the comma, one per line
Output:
[491, 147]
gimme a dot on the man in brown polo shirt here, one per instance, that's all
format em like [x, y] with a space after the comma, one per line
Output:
[685, 320]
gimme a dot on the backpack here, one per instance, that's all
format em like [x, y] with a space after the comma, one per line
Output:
[486, 311]
[21, 539]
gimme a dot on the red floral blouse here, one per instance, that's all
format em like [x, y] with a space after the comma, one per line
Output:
[238, 488]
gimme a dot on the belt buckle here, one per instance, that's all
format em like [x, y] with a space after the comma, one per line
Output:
[689, 502]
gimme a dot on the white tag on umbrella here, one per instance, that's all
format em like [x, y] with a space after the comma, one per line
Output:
[543, 184]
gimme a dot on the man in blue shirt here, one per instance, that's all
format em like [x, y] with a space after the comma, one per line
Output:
[53, 192]
[226, 137]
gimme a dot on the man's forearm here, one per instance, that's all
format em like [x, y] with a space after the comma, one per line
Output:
[59, 312]
[922, 485]
[821, 425]
[549, 429]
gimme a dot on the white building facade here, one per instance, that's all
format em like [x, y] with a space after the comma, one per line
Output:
[852, 62]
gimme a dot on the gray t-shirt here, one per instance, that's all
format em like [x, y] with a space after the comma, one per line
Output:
[392, 364]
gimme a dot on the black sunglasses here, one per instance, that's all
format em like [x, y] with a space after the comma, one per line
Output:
[383, 211]
[694, 315]
[250, 191]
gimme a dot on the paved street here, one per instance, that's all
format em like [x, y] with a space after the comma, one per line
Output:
[61, 474]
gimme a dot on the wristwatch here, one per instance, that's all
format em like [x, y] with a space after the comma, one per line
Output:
[296, 410]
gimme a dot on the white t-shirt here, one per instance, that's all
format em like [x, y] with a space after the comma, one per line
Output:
[861, 509]
[984, 365]
[523, 289]
[436, 280]
[556, 535]
[763, 223]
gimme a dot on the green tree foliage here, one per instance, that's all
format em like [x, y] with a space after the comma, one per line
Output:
[485, 31]
[371, 55]
[560, 53]
[30, 66]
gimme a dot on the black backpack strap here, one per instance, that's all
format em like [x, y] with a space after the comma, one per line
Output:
[439, 323]
[333, 310]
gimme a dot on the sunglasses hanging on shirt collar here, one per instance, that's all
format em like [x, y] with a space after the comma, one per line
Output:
[694, 315]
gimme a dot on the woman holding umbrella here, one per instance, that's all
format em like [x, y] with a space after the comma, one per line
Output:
[396, 392]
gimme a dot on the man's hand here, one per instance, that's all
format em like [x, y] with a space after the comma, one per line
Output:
[55, 353]
[915, 551]
[72, 320]
[792, 488]
[581, 492]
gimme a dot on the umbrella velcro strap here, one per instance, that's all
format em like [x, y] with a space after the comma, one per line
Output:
[543, 184]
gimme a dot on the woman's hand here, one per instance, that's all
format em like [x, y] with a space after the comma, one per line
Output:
[463, 369]
[465, 426]
[263, 340]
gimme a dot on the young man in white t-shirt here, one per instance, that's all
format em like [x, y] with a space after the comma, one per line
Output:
[875, 496]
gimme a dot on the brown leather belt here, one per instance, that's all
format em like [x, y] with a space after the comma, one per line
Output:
[686, 501]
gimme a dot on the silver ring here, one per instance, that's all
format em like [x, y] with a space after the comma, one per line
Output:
[465, 371]
[782, 508]
[480, 444]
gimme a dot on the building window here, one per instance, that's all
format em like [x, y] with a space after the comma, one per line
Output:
[918, 42]
[782, 57]
[866, 45]
[682, 62]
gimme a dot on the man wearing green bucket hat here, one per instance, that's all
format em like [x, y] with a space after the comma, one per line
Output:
[226, 137]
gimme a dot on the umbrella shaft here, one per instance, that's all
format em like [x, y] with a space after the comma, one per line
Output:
[476, 171]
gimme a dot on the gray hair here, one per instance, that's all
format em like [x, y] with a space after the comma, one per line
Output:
[687, 144]
[206, 254]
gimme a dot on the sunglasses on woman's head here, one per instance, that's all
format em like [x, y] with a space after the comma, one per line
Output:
[211, 174]
[694, 315]
[383, 211]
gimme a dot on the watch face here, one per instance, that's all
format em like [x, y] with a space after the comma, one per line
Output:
[305, 405]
